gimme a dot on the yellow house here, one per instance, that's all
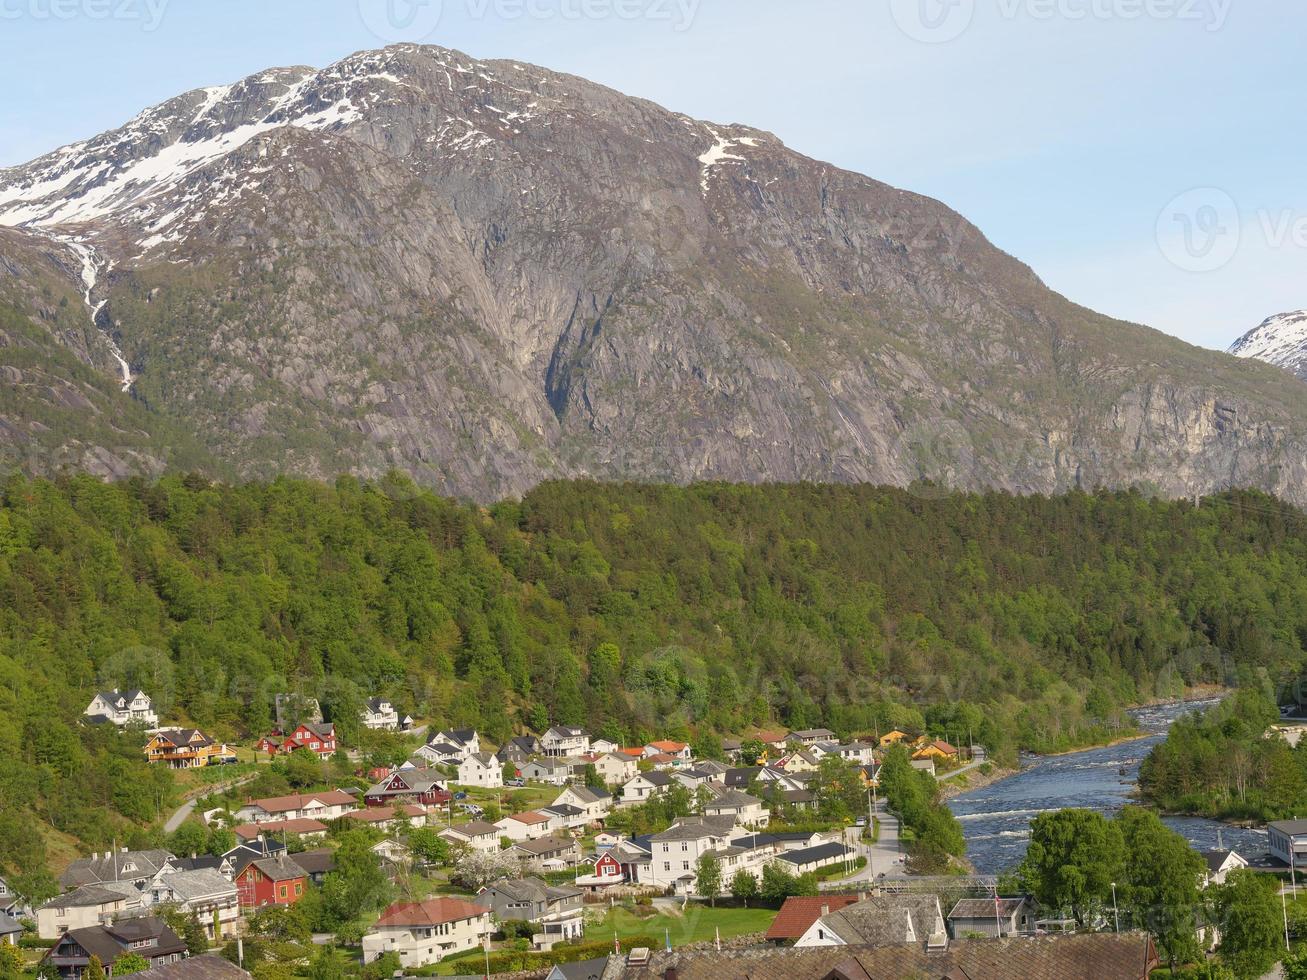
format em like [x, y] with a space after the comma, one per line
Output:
[895, 737]
[938, 749]
[186, 748]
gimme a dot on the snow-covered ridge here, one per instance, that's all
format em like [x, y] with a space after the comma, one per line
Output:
[1280, 340]
[162, 145]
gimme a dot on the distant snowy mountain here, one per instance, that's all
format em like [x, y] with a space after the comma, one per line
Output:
[1281, 340]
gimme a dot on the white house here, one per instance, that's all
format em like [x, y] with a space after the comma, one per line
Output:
[205, 892]
[477, 835]
[858, 753]
[525, 826]
[745, 810]
[329, 805]
[89, 905]
[1219, 866]
[602, 746]
[380, 714]
[469, 738]
[423, 933]
[562, 740]
[553, 772]
[887, 920]
[646, 786]
[594, 804]
[441, 754]
[677, 750]
[674, 854]
[481, 769]
[614, 768]
[811, 736]
[1288, 841]
[122, 708]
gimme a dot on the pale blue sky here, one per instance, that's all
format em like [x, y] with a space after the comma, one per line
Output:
[1065, 129]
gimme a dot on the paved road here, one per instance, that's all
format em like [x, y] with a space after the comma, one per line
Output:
[184, 812]
[883, 857]
[958, 772]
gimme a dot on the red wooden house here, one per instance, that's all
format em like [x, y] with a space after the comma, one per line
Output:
[319, 739]
[425, 787]
[271, 881]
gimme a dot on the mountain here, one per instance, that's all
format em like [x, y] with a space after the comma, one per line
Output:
[487, 274]
[1280, 340]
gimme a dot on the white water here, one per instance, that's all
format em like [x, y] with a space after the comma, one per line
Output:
[90, 277]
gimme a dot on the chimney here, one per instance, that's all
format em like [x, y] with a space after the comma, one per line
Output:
[825, 911]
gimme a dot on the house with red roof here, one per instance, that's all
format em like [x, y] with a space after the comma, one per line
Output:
[798, 915]
[319, 739]
[427, 932]
[677, 750]
[298, 806]
[395, 817]
[301, 827]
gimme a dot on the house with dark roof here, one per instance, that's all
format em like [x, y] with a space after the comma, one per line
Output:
[206, 893]
[645, 786]
[521, 749]
[186, 748]
[1100, 956]
[87, 906]
[810, 859]
[582, 970]
[422, 933]
[547, 853]
[271, 881]
[811, 736]
[594, 804]
[425, 787]
[746, 810]
[117, 866]
[1219, 864]
[992, 918]
[242, 854]
[317, 864]
[121, 708]
[144, 935]
[475, 834]
[210, 966]
[558, 911]
[553, 772]
[10, 929]
[564, 740]
[380, 714]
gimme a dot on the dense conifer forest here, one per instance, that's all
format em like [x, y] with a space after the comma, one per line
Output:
[640, 611]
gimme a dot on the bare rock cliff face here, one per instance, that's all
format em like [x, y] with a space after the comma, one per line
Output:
[487, 274]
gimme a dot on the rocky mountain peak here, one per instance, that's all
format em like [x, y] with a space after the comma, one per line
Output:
[487, 274]
[1280, 340]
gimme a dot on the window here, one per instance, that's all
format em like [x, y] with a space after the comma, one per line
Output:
[283, 891]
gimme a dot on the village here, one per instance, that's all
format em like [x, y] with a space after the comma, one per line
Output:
[563, 853]
[618, 855]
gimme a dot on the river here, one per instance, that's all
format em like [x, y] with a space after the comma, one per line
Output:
[996, 819]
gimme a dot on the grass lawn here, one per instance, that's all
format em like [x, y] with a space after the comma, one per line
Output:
[699, 924]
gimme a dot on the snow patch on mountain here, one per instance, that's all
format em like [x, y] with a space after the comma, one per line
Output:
[1280, 340]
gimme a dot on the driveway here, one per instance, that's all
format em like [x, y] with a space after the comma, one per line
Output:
[183, 813]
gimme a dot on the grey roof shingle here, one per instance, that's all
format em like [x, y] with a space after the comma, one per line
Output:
[1105, 956]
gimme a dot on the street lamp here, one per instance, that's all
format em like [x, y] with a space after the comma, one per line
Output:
[1116, 914]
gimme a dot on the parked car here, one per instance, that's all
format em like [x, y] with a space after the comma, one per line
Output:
[472, 809]
[460, 795]
[516, 783]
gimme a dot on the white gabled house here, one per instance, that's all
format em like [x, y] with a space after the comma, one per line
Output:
[467, 740]
[645, 786]
[122, 708]
[441, 754]
[380, 714]
[553, 772]
[564, 740]
[476, 835]
[481, 769]
[594, 804]
[745, 810]
[525, 826]
[422, 933]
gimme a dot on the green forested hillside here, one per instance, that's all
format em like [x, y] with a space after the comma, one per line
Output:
[636, 610]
